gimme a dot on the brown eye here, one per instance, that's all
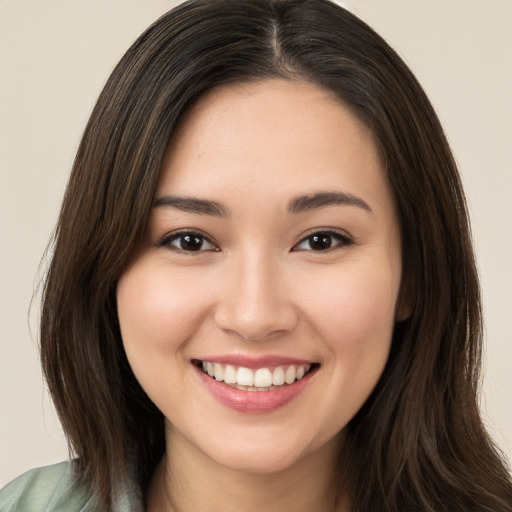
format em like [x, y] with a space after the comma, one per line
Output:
[188, 241]
[323, 241]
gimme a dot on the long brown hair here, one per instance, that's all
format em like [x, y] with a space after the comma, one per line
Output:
[418, 443]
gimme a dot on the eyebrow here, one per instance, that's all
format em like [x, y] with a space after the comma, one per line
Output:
[192, 205]
[296, 205]
[324, 199]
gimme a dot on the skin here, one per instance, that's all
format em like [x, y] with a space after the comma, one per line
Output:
[258, 287]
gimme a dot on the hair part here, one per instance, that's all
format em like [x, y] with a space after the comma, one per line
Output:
[418, 443]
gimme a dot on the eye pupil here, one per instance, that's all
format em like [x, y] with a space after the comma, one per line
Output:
[191, 242]
[320, 241]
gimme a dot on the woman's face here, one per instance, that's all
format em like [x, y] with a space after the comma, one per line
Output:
[258, 316]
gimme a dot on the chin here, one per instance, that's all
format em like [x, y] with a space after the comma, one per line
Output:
[269, 452]
[259, 462]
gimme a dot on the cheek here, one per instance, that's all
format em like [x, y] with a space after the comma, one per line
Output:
[355, 322]
[359, 308]
[157, 312]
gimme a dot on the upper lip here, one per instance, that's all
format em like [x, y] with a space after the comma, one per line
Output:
[264, 361]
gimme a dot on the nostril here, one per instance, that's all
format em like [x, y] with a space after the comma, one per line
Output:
[256, 324]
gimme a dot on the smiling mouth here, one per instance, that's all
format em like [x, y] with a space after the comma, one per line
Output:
[261, 379]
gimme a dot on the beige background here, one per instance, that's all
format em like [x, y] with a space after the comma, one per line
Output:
[54, 57]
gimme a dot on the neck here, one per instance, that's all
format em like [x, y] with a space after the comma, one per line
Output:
[190, 481]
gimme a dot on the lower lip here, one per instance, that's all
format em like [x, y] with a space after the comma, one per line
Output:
[253, 402]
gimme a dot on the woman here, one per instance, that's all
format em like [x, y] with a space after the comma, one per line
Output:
[263, 292]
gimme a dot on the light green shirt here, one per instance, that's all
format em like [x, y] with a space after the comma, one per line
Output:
[49, 489]
[56, 489]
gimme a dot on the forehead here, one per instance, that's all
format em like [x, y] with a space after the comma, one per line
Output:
[271, 137]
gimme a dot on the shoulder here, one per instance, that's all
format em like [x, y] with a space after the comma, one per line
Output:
[50, 489]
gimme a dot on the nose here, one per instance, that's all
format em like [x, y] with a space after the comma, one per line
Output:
[255, 301]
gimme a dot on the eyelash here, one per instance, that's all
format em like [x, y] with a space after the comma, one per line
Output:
[167, 241]
[342, 239]
[335, 235]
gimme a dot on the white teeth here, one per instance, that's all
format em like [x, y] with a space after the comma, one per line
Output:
[278, 376]
[244, 377]
[229, 375]
[219, 371]
[290, 375]
[262, 379]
